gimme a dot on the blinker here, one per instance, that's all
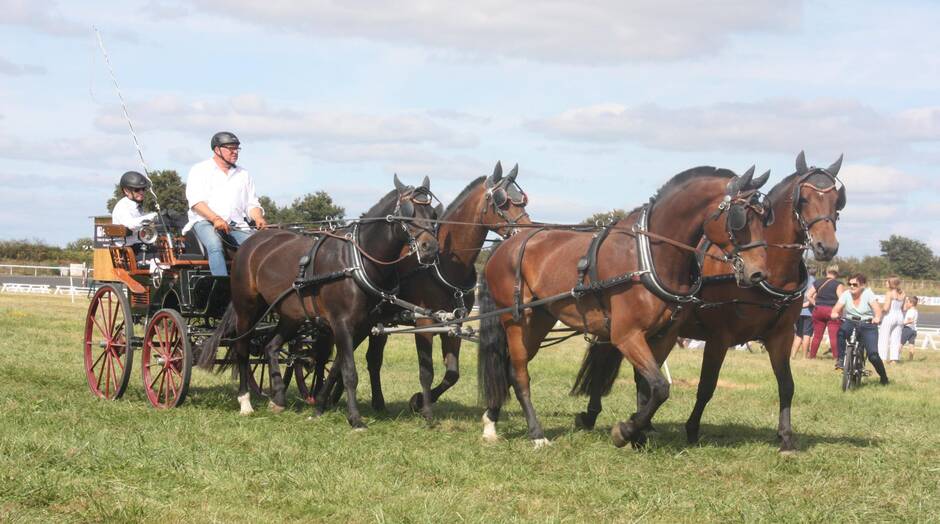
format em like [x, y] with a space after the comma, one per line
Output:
[737, 217]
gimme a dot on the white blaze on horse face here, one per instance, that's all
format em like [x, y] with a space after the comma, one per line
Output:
[245, 402]
[489, 429]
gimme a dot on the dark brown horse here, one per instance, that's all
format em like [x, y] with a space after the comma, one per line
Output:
[266, 267]
[650, 245]
[804, 208]
[494, 203]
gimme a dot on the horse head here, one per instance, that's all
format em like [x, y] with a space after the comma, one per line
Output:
[505, 201]
[414, 212]
[736, 228]
[818, 196]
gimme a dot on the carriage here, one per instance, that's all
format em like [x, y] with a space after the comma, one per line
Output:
[164, 304]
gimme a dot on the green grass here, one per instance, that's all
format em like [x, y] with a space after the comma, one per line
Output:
[869, 455]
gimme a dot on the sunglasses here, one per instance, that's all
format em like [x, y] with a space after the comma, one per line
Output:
[234, 149]
[138, 190]
[853, 284]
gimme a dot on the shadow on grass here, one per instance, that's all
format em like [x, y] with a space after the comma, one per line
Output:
[671, 436]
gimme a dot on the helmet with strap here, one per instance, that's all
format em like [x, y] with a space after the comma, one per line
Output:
[223, 138]
[134, 180]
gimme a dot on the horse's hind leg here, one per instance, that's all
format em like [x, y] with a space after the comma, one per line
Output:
[345, 347]
[778, 344]
[374, 357]
[278, 397]
[524, 342]
[240, 349]
[712, 358]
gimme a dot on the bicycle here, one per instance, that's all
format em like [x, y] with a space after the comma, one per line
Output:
[853, 361]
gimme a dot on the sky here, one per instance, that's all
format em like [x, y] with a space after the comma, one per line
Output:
[599, 102]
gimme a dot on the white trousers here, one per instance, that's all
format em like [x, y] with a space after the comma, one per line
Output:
[889, 337]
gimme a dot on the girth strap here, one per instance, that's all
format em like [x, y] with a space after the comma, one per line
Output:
[517, 288]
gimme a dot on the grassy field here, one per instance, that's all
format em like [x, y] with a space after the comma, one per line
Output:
[869, 455]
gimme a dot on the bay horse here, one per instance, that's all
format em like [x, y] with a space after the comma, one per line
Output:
[489, 203]
[650, 245]
[803, 211]
[268, 265]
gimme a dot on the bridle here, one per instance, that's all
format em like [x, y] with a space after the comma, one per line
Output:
[803, 181]
[737, 208]
[405, 210]
[499, 196]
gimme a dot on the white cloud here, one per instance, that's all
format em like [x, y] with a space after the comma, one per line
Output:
[593, 32]
[10, 69]
[39, 15]
[92, 151]
[777, 125]
[251, 117]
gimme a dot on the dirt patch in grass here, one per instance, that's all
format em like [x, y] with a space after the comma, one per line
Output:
[725, 384]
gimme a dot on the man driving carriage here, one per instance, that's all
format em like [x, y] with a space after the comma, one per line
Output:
[220, 195]
[129, 211]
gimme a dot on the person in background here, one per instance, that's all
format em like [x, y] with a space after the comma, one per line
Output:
[889, 334]
[909, 331]
[804, 324]
[221, 195]
[823, 295]
[862, 314]
[129, 211]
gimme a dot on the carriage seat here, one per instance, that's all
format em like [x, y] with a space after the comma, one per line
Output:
[193, 248]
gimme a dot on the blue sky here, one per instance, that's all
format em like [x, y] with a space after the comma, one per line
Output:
[599, 102]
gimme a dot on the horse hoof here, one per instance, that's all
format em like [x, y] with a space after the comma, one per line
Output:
[787, 452]
[246, 412]
[540, 443]
[416, 402]
[584, 421]
[275, 408]
[358, 425]
[639, 440]
[378, 404]
[616, 434]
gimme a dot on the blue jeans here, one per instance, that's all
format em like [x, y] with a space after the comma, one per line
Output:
[867, 338]
[212, 241]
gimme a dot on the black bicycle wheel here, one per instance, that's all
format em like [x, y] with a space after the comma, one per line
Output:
[859, 367]
[848, 365]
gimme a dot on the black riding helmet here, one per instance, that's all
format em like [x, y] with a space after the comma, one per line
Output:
[134, 180]
[223, 138]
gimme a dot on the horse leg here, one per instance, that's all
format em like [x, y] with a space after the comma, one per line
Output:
[661, 346]
[374, 357]
[450, 348]
[240, 349]
[345, 347]
[712, 358]
[278, 397]
[596, 377]
[524, 342]
[326, 397]
[422, 401]
[635, 348]
[778, 345]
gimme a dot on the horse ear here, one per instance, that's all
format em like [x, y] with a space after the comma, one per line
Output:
[759, 182]
[514, 173]
[398, 185]
[740, 183]
[835, 167]
[497, 172]
[426, 183]
[439, 210]
[801, 166]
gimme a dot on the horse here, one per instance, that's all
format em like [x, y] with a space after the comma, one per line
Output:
[803, 211]
[489, 203]
[530, 278]
[334, 280]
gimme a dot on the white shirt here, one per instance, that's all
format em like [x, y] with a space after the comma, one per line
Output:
[228, 194]
[910, 318]
[127, 213]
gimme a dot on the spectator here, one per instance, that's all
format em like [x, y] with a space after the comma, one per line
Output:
[909, 331]
[824, 295]
[889, 334]
[862, 314]
[804, 324]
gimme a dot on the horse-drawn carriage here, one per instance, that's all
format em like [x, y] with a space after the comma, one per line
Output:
[163, 303]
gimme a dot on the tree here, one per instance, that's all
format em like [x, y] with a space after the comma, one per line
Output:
[910, 258]
[606, 217]
[311, 207]
[271, 212]
[82, 244]
[169, 188]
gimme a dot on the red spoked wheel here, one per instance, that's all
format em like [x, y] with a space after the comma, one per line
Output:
[166, 360]
[260, 379]
[109, 330]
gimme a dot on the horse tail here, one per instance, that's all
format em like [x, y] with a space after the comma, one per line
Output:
[210, 347]
[493, 354]
[598, 371]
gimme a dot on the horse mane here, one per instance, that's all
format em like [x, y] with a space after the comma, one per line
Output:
[383, 206]
[688, 174]
[462, 196]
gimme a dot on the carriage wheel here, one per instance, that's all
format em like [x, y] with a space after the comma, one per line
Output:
[259, 380]
[309, 381]
[109, 329]
[167, 360]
